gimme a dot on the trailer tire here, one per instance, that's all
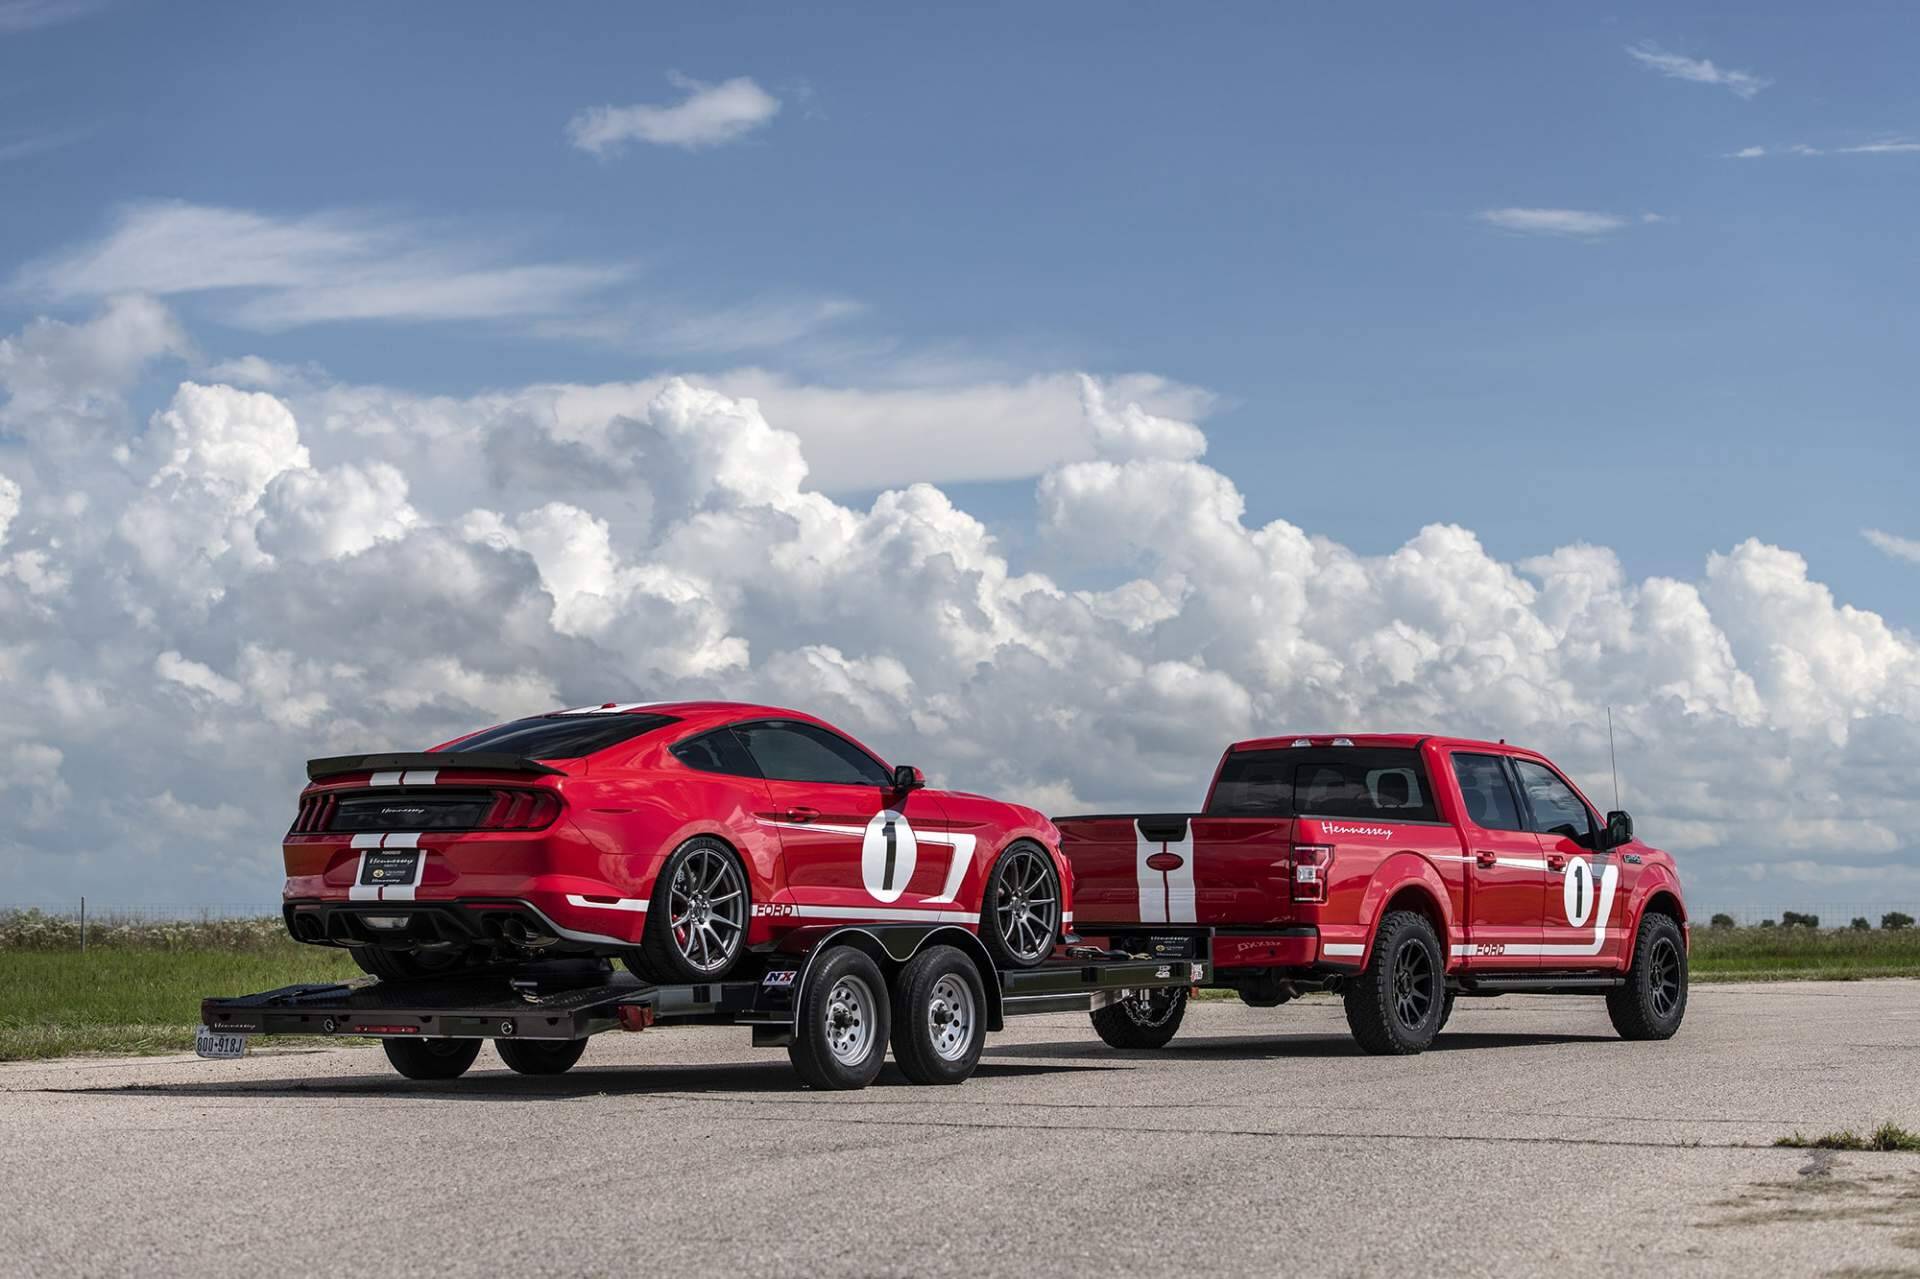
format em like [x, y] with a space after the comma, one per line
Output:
[1017, 934]
[1144, 1019]
[840, 1026]
[715, 885]
[431, 1058]
[1395, 1005]
[540, 1056]
[1654, 1001]
[939, 1017]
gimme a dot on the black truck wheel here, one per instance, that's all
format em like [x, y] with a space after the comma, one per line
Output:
[1446, 1012]
[1143, 1019]
[696, 923]
[1020, 909]
[939, 1017]
[1396, 1004]
[540, 1056]
[840, 1027]
[431, 1058]
[1654, 1000]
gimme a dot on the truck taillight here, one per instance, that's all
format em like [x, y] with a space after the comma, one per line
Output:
[521, 810]
[1311, 865]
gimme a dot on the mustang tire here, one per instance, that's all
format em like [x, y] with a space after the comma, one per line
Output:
[696, 927]
[1396, 1004]
[1020, 909]
[840, 1028]
[431, 1058]
[1144, 1019]
[1654, 1000]
[540, 1056]
[939, 1017]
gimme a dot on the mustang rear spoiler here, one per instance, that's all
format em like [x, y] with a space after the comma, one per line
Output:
[489, 761]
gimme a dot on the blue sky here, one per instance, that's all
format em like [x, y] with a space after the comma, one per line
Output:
[1276, 204]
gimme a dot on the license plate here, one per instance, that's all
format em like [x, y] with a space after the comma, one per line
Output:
[219, 1047]
[390, 868]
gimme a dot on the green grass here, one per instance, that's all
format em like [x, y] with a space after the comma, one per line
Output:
[1803, 954]
[138, 1000]
[1888, 1136]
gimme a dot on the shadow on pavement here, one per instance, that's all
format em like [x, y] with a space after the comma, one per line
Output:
[486, 1084]
[1244, 1048]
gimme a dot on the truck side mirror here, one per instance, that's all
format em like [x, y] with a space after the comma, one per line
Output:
[1619, 828]
[906, 777]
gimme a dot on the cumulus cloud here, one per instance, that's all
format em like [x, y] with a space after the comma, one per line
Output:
[1698, 70]
[709, 115]
[356, 569]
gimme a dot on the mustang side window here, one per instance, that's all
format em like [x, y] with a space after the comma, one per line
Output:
[716, 752]
[1556, 809]
[793, 752]
[1483, 785]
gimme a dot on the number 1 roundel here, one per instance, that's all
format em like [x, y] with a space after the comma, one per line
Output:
[1576, 891]
[887, 854]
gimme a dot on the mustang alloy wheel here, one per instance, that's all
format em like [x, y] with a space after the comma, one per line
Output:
[1021, 915]
[697, 920]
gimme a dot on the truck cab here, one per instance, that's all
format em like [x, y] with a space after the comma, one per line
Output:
[1348, 862]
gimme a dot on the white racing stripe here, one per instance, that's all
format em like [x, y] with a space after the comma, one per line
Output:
[886, 913]
[1166, 896]
[614, 708]
[391, 778]
[962, 845]
[420, 777]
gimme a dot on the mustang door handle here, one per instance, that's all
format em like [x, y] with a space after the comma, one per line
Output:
[1485, 858]
[1555, 861]
[801, 814]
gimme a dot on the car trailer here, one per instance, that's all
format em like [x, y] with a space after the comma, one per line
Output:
[834, 997]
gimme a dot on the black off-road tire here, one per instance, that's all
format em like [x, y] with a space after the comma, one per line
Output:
[1144, 1019]
[1654, 1001]
[939, 1016]
[845, 998]
[1446, 1012]
[1395, 1005]
[661, 957]
[1024, 885]
[540, 1056]
[416, 965]
[432, 1058]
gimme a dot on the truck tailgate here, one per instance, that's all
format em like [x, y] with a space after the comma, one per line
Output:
[1178, 868]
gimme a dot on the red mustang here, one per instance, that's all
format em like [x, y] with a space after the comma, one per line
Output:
[676, 835]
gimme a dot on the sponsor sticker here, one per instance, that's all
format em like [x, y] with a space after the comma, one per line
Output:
[781, 977]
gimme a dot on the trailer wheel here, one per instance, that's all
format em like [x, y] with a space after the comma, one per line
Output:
[431, 1058]
[1020, 909]
[1395, 1005]
[1143, 1019]
[540, 1056]
[696, 927]
[939, 1017]
[1654, 1000]
[840, 1026]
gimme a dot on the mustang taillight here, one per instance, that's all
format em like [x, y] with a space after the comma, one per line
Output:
[316, 814]
[521, 810]
[1311, 865]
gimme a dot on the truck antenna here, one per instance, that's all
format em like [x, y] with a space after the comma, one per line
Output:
[1613, 761]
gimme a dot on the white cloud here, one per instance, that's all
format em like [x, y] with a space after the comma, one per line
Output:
[1748, 153]
[1889, 146]
[1901, 548]
[709, 115]
[280, 272]
[9, 506]
[1573, 222]
[28, 15]
[356, 568]
[1698, 70]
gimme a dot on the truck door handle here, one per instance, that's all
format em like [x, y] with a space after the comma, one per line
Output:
[801, 814]
[1485, 859]
[1555, 861]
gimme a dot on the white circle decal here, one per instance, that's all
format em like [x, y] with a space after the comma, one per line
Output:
[887, 855]
[1576, 892]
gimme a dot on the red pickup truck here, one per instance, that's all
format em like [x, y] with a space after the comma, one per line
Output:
[1399, 871]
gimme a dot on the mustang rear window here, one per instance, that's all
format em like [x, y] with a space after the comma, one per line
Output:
[1333, 781]
[563, 736]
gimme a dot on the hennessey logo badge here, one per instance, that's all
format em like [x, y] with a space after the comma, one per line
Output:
[1332, 829]
[401, 812]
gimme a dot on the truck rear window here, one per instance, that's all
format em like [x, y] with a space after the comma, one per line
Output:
[1334, 781]
[562, 736]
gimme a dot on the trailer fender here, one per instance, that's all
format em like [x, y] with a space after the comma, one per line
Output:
[892, 947]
